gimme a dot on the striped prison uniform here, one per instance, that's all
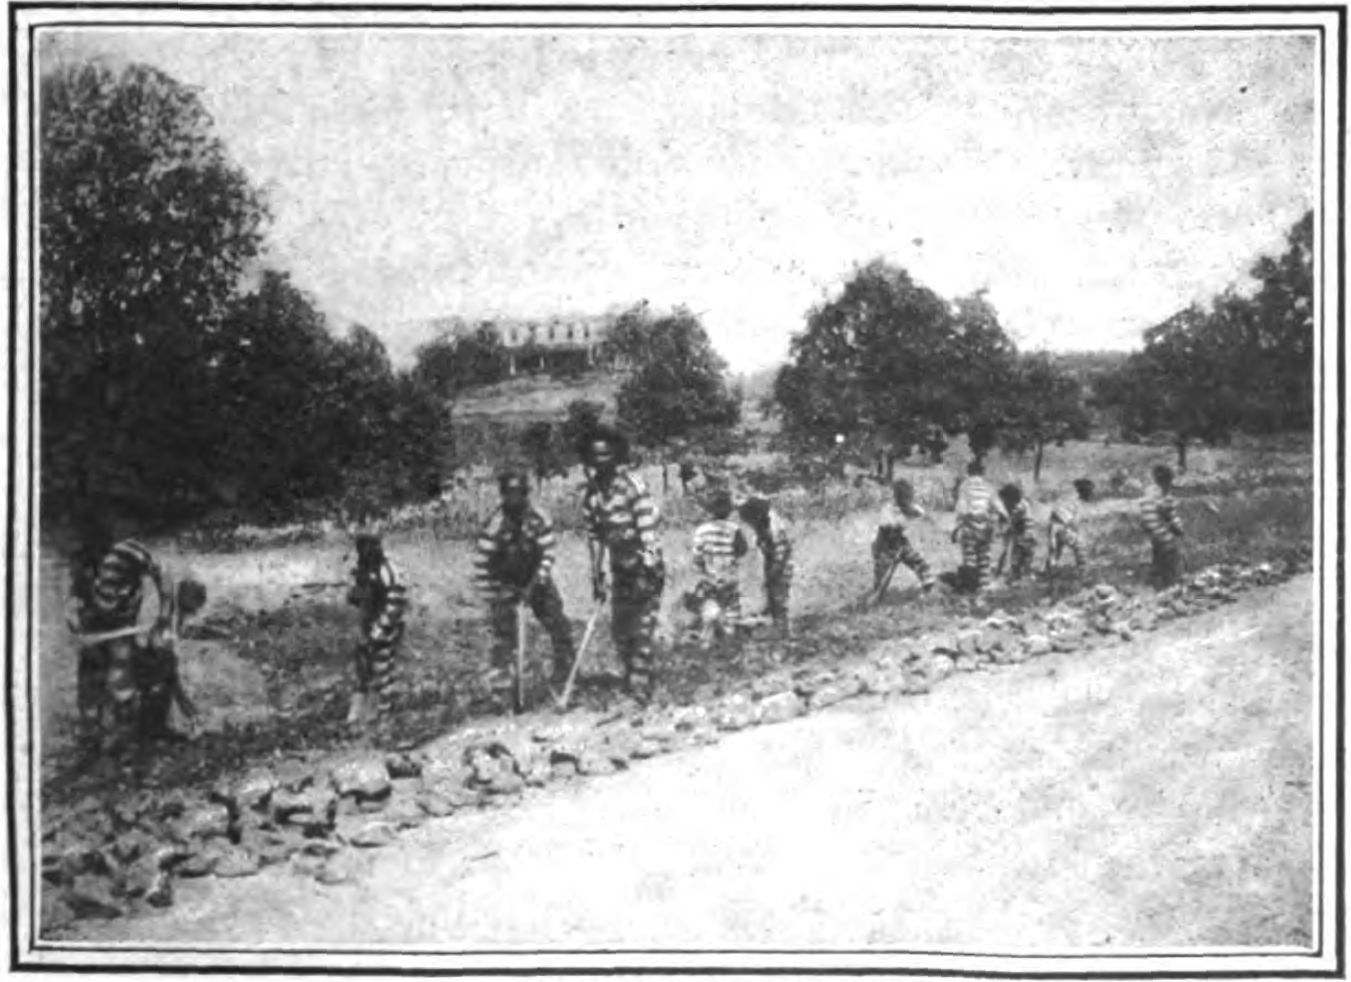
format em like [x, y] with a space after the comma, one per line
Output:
[383, 601]
[1063, 533]
[719, 546]
[157, 675]
[1022, 544]
[978, 511]
[777, 549]
[1158, 514]
[891, 546]
[513, 566]
[107, 594]
[623, 519]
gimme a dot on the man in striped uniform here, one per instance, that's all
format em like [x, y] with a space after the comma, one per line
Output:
[1020, 543]
[1063, 532]
[382, 599]
[107, 592]
[891, 546]
[719, 545]
[513, 565]
[979, 511]
[1158, 513]
[622, 519]
[771, 535]
[157, 678]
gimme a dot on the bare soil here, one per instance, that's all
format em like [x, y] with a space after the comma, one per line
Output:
[1156, 793]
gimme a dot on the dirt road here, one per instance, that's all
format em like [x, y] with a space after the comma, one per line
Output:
[1155, 793]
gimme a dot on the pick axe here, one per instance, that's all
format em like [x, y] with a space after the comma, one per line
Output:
[561, 702]
[876, 594]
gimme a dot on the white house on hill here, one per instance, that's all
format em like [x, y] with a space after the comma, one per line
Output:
[534, 345]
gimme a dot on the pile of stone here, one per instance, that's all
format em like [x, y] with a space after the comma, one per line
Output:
[105, 859]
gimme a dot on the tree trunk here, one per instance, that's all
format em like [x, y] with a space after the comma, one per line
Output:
[1036, 462]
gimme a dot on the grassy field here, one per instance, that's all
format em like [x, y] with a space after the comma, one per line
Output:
[270, 661]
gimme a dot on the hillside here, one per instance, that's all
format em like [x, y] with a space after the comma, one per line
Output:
[535, 397]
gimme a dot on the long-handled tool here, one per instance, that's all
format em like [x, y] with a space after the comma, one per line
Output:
[561, 702]
[518, 700]
[875, 595]
[121, 632]
[1003, 556]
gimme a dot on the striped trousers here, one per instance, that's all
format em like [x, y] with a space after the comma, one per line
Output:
[1022, 550]
[375, 657]
[975, 539]
[778, 586]
[633, 628]
[1165, 565]
[889, 548]
[546, 604]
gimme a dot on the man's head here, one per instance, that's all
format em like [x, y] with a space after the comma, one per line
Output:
[755, 512]
[604, 450]
[1011, 495]
[718, 502]
[1084, 488]
[903, 493]
[191, 596]
[976, 468]
[515, 489]
[1163, 476]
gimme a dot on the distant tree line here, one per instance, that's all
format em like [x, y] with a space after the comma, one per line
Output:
[1242, 363]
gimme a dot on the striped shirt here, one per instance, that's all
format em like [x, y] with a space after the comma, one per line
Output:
[383, 598]
[624, 518]
[977, 503]
[111, 595]
[1159, 516]
[1065, 513]
[718, 546]
[511, 552]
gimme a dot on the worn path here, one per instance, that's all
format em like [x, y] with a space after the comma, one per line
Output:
[1154, 793]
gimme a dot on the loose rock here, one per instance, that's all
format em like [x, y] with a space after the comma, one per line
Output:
[92, 897]
[254, 789]
[780, 707]
[363, 777]
[837, 691]
[373, 836]
[236, 861]
[206, 821]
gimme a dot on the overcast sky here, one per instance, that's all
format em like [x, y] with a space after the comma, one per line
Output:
[1094, 183]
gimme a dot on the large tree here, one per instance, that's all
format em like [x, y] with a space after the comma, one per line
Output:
[677, 386]
[146, 226]
[1043, 404]
[889, 356]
